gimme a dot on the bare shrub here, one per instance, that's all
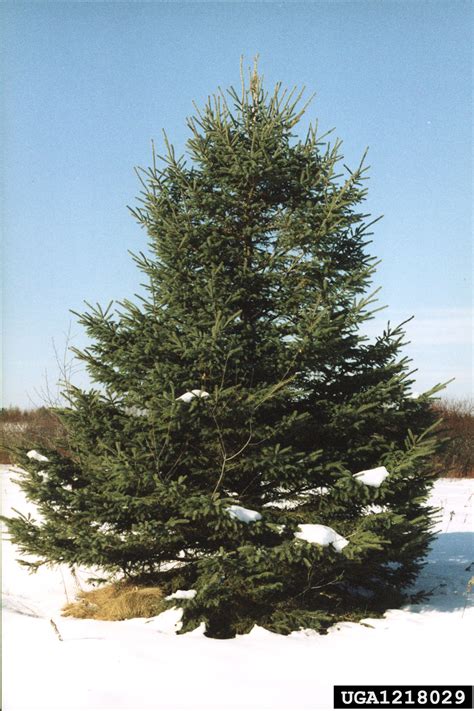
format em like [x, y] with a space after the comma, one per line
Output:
[28, 428]
[457, 455]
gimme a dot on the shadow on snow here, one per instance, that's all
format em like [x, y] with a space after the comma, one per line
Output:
[448, 570]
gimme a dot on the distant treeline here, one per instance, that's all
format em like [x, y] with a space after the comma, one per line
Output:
[41, 427]
[457, 455]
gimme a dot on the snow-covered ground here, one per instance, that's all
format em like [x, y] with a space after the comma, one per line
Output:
[141, 664]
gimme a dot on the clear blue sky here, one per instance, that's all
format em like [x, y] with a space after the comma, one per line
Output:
[89, 84]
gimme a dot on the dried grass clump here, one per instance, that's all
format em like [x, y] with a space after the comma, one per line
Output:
[118, 601]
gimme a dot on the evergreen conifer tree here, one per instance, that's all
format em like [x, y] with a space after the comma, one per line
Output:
[238, 398]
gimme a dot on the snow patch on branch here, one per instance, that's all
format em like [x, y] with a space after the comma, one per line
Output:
[104, 527]
[374, 509]
[191, 394]
[372, 477]
[322, 535]
[33, 454]
[182, 595]
[320, 491]
[242, 514]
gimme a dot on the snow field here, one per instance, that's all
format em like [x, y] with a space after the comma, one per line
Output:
[142, 664]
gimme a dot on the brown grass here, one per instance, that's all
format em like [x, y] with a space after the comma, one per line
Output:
[117, 601]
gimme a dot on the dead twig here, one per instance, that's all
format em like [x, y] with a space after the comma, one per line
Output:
[55, 628]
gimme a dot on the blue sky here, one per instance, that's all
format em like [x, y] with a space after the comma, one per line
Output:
[89, 84]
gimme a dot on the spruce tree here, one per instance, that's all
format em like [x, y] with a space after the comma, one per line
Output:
[236, 401]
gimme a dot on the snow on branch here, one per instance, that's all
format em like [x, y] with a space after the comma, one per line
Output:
[191, 394]
[322, 535]
[182, 595]
[33, 454]
[372, 477]
[242, 514]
